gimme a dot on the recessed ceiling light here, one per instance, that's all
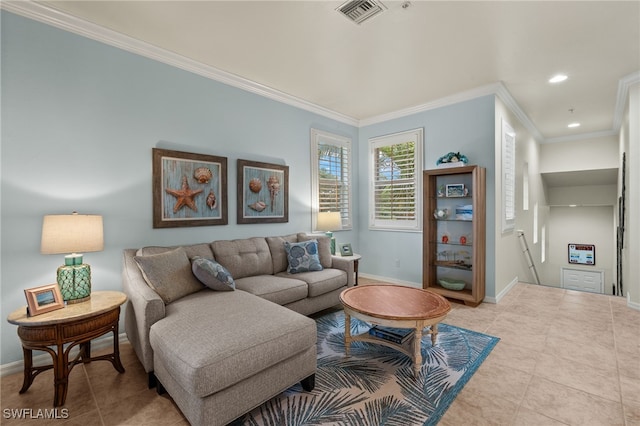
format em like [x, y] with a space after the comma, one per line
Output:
[573, 205]
[558, 78]
[572, 125]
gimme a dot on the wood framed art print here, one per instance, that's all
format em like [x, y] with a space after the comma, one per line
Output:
[43, 299]
[188, 189]
[263, 192]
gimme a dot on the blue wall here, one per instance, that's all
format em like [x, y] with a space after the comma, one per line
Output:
[467, 127]
[79, 120]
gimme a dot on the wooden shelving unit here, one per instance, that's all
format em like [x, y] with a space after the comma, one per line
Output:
[454, 244]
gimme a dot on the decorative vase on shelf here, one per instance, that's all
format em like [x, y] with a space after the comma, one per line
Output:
[441, 214]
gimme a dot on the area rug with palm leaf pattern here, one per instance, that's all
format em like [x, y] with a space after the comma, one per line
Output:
[376, 385]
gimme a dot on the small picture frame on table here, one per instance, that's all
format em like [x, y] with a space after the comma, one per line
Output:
[345, 249]
[455, 190]
[43, 299]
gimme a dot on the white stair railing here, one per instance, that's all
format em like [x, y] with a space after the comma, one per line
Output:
[527, 255]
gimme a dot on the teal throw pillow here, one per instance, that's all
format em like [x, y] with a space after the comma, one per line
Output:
[212, 274]
[302, 257]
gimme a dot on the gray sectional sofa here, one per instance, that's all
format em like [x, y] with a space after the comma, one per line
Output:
[220, 354]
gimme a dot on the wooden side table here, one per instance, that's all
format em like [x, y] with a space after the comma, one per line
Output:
[355, 258]
[76, 325]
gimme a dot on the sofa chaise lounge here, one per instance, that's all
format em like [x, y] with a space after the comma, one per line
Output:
[219, 354]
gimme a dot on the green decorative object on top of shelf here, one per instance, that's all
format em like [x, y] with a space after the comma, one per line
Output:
[451, 158]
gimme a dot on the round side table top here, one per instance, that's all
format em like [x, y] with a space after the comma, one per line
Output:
[354, 256]
[395, 302]
[100, 301]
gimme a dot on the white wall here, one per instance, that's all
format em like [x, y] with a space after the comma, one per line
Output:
[580, 225]
[630, 143]
[591, 223]
[583, 154]
[593, 195]
[510, 263]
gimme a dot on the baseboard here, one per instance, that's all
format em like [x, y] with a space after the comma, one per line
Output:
[632, 305]
[390, 280]
[419, 285]
[45, 358]
[503, 293]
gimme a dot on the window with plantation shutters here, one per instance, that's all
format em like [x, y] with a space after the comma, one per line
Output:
[331, 175]
[395, 166]
[508, 177]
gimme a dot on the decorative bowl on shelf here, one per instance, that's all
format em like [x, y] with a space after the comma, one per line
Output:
[441, 214]
[451, 284]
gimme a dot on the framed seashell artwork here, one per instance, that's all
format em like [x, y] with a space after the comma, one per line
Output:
[263, 192]
[188, 189]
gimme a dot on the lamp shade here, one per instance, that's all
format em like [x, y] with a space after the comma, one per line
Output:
[329, 221]
[71, 233]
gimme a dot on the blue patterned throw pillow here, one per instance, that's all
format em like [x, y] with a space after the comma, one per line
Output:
[302, 257]
[212, 274]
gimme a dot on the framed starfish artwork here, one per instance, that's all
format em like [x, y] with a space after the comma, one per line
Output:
[188, 189]
[263, 192]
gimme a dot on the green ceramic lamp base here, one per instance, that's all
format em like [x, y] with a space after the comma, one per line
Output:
[332, 242]
[75, 282]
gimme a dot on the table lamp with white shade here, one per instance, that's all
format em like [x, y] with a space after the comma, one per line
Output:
[72, 234]
[329, 222]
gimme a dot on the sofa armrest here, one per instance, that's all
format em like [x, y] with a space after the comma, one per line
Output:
[339, 262]
[144, 308]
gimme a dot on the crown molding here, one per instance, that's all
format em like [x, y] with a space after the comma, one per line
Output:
[505, 96]
[621, 99]
[64, 21]
[489, 89]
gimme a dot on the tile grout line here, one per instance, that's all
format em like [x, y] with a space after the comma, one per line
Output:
[526, 389]
[615, 350]
[93, 395]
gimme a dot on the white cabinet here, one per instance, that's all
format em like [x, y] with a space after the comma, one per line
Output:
[583, 280]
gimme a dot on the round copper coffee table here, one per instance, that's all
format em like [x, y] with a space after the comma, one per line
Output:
[394, 306]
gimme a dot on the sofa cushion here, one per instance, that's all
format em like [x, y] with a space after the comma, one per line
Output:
[303, 257]
[212, 274]
[169, 274]
[324, 247]
[212, 340]
[192, 250]
[244, 258]
[320, 282]
[280, 290]
[278, 253]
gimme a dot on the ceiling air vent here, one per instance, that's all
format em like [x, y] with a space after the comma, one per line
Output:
[361, 10]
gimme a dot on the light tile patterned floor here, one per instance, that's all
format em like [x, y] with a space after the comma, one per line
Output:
[565, 358]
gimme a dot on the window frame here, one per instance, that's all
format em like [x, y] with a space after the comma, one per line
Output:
[320, 137]
[508, 177]
[414, 225]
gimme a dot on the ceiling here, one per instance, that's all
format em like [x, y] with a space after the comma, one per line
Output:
[405, 56]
